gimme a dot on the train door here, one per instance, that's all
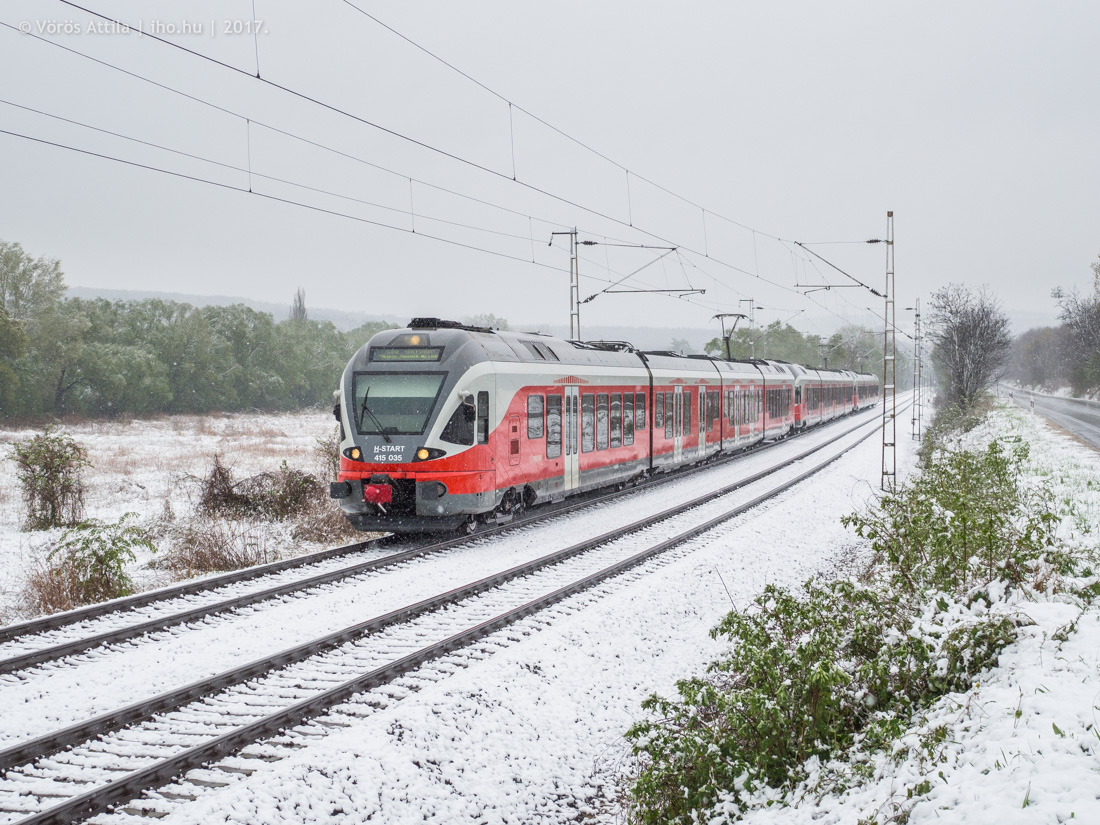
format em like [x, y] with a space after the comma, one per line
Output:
[735, 417]
[678, 426]
[702, 418]
[572, 445]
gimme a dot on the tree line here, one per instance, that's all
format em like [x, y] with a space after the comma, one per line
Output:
[63, 355]
[1066, 355]
[850, 348]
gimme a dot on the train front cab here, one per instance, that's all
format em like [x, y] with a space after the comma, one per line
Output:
[415, 449]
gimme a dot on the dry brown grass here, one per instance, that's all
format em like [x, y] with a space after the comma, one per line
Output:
[214, 545]
[324, 523]
[326, 454]
[120, 461]
[51, 589]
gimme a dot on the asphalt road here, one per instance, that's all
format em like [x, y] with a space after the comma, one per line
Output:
[1082, 418]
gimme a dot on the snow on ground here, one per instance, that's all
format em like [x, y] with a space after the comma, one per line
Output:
[141, 466]
[533, 731]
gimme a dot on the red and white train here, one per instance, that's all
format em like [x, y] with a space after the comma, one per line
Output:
[444, 425]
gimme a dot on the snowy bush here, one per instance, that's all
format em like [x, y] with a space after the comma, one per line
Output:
[87, 566]
[838, 670]
[807, 677]
[49, 468]
[273, 496]
[965, 522]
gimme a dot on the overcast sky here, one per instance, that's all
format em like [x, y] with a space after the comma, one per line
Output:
[976, 122]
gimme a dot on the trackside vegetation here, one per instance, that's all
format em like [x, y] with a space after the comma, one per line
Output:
[836, 672]
[50, 468]
[88, 565]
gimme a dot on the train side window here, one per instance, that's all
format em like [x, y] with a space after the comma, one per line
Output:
[616, 420]
[628, 418]
[553, 426]
[670, 414]
[588, 422]
[687, 413]
[535, 423]
[639, 411]
[460, 427]
[483, 417]
[658, 410]
[601, 421]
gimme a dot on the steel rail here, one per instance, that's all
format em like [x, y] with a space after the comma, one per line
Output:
[130, 786]
[93, 611]
[53, 652]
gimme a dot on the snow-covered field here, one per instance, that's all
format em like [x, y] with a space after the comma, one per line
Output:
[146, 466]
[531, 728]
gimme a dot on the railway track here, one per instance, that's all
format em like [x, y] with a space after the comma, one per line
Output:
[54, 637]
[108, 761]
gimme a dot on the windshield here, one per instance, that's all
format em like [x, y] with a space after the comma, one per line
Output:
[397, 403]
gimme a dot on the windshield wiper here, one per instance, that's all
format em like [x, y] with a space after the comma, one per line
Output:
[364, 409]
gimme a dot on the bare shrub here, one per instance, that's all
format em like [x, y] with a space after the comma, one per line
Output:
[49, 468]
[217, 495]
[326, 451]
[214, 545]
[291, 493]
[272, 496]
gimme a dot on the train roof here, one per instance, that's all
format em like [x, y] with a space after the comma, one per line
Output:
[485, 343]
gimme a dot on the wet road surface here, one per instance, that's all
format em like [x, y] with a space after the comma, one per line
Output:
[1082, 418]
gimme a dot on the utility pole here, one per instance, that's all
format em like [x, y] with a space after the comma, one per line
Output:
[752, 322]
[889, 368]
[752, 310]
[574, 284]
[917, 377]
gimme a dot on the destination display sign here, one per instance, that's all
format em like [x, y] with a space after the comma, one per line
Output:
[406, 353]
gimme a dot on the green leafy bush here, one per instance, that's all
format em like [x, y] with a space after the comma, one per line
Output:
[842, 666]
[49, 468]
[88, 566]
[807, 676]
[965, 522]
